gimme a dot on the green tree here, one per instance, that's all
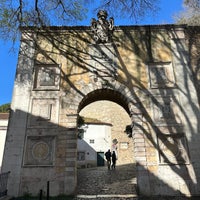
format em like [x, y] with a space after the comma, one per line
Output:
[191, 13]
[39, 13]
[5, 108]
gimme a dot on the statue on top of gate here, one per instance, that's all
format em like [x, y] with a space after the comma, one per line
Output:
[102, 28]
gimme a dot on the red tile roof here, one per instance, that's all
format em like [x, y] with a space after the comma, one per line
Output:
[4, 116]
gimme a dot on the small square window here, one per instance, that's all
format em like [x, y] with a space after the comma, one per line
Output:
[91, 141]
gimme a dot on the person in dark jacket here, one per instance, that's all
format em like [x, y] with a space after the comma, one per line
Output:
[108, 158]
[114, 158]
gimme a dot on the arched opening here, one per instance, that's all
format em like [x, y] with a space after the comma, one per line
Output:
[104, 94]
[105, 124]
[105, 114]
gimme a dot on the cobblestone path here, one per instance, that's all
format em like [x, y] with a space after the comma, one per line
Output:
[101, 183]
[120, 184]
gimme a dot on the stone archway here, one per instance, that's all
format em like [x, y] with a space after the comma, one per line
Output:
[105, 94]
[108, 106]
[131, 103]
[105, 98]
[123, 97]
[138, 70]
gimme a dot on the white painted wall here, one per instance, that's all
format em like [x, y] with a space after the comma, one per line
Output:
[101, 134]
[3, 130]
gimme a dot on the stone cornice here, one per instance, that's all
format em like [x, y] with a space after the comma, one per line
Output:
[88, 28]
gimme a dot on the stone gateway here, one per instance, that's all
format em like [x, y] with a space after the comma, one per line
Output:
[147, 70]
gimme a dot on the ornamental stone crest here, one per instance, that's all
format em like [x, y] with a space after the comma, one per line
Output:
[102, 28]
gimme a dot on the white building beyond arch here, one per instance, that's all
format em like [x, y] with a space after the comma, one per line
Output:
[3, 130]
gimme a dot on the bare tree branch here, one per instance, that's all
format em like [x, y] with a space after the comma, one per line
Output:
[20, 15]
[56, 12]
[191, 14]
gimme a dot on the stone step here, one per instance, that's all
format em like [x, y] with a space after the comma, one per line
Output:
[5, 198]
[107, 196]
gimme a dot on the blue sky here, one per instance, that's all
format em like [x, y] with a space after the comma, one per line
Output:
[8, 60]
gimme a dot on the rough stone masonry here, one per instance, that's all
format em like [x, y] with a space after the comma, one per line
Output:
[147, 70]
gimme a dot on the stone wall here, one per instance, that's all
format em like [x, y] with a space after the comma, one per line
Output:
[145, 70]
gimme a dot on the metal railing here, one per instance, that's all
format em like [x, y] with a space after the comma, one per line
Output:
[3, 183]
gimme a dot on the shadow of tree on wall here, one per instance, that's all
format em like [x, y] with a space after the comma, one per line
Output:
[192, 35]
[82, 82]
[187, 172]
[41, 150]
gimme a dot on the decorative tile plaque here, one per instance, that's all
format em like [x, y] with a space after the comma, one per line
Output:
[39, 150]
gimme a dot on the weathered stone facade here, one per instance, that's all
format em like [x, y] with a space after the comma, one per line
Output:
[144, 69]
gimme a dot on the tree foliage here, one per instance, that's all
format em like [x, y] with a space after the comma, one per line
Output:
[16, 13]
[80, 123]
[39, 13]
[128, 131]
[132, 9]
[5, 108]
[191, 13]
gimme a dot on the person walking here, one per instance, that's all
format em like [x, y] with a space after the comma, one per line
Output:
[108, 158]
[114, 158]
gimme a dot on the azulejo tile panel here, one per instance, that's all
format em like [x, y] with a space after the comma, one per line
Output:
[39, 151]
